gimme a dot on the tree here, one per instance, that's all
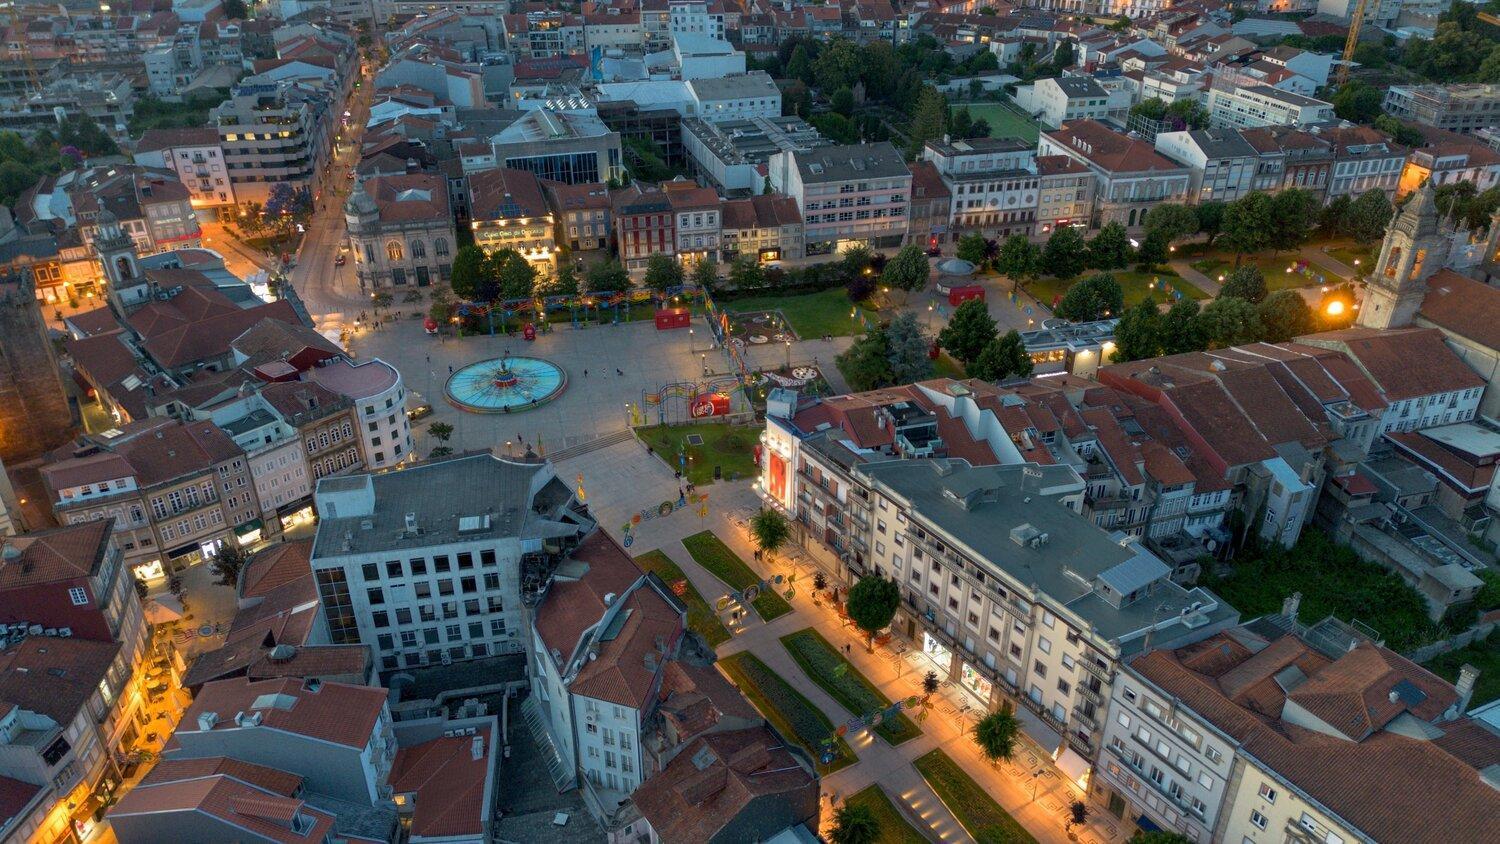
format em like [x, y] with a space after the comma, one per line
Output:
[662, 272]
[1210, 219]
[866, 365]
[843, 101]
[836, 126]
[872, 604]
[854, 824]
[1245, 283]
[1153, 251]
[1096, 297]
[706, 273]
[1065, 255]
[1078, 813]
[1110, 248]
[1248, 223]
[1003, 357]
[929, 119]
[515, 277]
[1172, 221]
[906, 348]
[440, 451]
[996, 734]
[1230, 321]
[1139, 334]
[564, 282]
[235, 10]
[972, 248]
[228, 563]
[1181, 330]
[381, 299]
[930, 684]
[1284, 315]
[837, 66]
[770, 530]
[470, 274]
[746, 273]
[441, 430]
[1401, 133]
[1295, 212]
[1334, 219]
[1019, 258]
[857, 259]
[1357, 101]
[968, 332]
[608, 277]
[800, 65]
[907, 271]
[1368, 216]
[645, 160]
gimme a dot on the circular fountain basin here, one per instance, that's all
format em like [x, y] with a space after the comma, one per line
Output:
[505, 385]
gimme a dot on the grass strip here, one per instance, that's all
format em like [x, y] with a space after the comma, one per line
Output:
[837, 676]
[985, 820]
[710, 552]
[793, 715]
[701, 617]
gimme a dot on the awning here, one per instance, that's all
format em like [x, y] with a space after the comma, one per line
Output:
[1037, 730]
[183, 550]
[294, 506]
[1072, 765]
[163, 609]
[248, 527]
[1145, 824]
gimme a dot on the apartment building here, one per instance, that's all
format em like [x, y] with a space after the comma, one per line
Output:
[1364, 159]
[150, 205]
[1448, 159]
[572, 146]
[400, 231]
[1129, 175]
[1446, 391]
[1463, 108]
[1289, 158]
[931, 206]
[697, 224]
[645, 224]
[270, 133]
[994, 184]
[195, 155]
[743, 96]
[1249, 106]
[177, 491]
[509, 210]
[423, 586]
[582, 213]
[731, 155]
[375, 390]
[1223, 164]
[1065, 194]
[856, 194]
[1065, 99]
[765, 227]
[1234, 738]
[542, 34]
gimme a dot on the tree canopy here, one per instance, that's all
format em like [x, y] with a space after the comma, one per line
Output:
[907, 271]
[872, 603]
[968, 332]
[1096, 297]
[1066, 254]
[1003, 357]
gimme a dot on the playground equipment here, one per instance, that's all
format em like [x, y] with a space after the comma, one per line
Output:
[505, 385]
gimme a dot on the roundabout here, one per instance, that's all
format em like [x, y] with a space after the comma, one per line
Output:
[505, 385]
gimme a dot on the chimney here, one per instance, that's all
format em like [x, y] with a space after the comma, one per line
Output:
[476, 748]
[609, 599]
[411, 522]
[1468, 675]
[1290, 606]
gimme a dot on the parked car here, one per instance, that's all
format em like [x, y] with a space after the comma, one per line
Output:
[341, 260]
[417, 407]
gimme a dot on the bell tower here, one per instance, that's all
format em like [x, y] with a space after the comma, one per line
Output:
[125, 286]
[1413, 250]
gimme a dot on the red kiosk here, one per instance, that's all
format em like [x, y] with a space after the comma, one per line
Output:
[669, 318]
[959, 295]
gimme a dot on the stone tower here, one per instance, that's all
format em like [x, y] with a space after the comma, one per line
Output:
[1414, 249]
[34, 412]
[124, 283]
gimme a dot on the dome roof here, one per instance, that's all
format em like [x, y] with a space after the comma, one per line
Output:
[955, 266]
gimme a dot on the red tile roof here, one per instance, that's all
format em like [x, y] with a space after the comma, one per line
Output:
[254, 809]
[450, 784]
[573, 606]
[506, 194]
[1464, 307]
[1111, 150]
[1386, 357]
[63, 554]
[275, 566]
[273, 780]
[337, 712]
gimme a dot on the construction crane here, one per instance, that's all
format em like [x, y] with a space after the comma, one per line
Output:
[1356, 22]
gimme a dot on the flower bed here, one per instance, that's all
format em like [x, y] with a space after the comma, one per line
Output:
[822, 664]
[701, 617]
[710, 552]
[985, 820]
[894, 827]
[792, 714]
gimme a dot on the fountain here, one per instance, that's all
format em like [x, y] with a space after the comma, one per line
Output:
[505, 385]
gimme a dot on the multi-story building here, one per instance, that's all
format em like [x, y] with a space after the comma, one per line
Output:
[1246, 107]
[697, 225]
[195, 155]
[1448, 160]
[1065, 194]
[1064, 99]
[743, 96]
[766, 227]
[1232, 739]
[1364, 159]
[1462, 107]
[931, 207]
[423, 585]
[218, 800]
[1289, 158]
[379, 407]
[542, 34]
[1129, 175]
[993, 183]
[176, 491]
[401, 230]
[731, 155]
[1223, 164]
[848, 195]
[149, 204]
[572, 146]
[644, 224]
[582, 215]
[509, 211]
[270, 133]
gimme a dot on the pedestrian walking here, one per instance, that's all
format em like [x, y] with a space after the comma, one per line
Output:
[619, 372]
[450, 369]
[585, 373]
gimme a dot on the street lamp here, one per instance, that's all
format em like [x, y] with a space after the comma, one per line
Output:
[788, 357]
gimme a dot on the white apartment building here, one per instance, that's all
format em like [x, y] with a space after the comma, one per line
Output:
[856, 194]
[1063, 99]
[273, 451]
[1246, 107]
[1223, 164]
[600, 639]
[431, 564]
[994, 184]
[744, 96]
[379, 398]
[195, 156]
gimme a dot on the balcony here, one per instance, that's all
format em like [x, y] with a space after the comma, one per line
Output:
[1090, 695]
[1175, 799]
[1094, 668]
[1084, 747]
[1085, 720]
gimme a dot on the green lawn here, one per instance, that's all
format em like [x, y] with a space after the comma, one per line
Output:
[701, 617]
[1350, 253]
[710, 552]
[730, 447]
[1134, 285]
[793, 715]
[825, 666]
[894, 828]
[946, 367]
[985, 820]
[1273, 267]
[1483, 654]
[1005, 122]
[812, 315]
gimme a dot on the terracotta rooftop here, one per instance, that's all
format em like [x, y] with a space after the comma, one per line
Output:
[54, 676]
[410, 197]
[275, 566]
[1464, 307]
[198, 324]
[253, 808]
[62, 554]
[1386, 356]
[450, 784]
[573, 606]
[337, 712]
[506, 195]
[1109, 149]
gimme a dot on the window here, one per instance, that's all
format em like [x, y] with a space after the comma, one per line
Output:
[1123, 719]
[1044, 644]
[1258, 819]
[393, 568]
[1039, 669]
[1268, 794]
[418, 249]
[78, 596]
[394, 251]
[370, 571]
[440, 247]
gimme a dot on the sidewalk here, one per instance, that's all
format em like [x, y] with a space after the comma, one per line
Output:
[945, 727]
[1184, 268]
